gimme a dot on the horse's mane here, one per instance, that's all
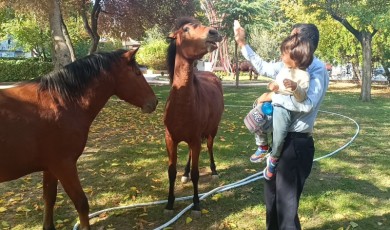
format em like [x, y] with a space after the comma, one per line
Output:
[71, 80]
[171, 51]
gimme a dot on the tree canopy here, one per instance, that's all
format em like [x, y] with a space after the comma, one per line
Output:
[362, 19]
[352, 31]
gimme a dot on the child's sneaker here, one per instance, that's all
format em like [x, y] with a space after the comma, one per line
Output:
[260, 154]
[269, 171]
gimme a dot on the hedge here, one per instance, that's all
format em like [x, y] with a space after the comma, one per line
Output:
[23, 70]
[153, 54]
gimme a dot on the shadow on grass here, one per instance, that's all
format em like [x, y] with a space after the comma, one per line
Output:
[377, 222]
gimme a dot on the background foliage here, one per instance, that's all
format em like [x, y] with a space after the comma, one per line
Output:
[23, 70]
[153, 50]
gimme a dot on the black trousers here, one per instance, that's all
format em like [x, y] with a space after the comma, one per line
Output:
[283, 192]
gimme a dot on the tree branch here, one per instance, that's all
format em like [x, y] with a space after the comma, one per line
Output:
[344, 22]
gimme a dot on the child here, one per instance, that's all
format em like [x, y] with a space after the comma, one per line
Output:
[297, 55]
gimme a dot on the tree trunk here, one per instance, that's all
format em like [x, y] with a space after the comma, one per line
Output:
[365, 39]
[92, 29]
[237, 73]
[367, 68]
[61, 54]
[356, 73]
[68, 40]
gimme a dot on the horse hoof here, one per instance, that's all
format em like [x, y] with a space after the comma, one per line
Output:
[196, 213]
[215, 177]
[168, 212]
[185, 179]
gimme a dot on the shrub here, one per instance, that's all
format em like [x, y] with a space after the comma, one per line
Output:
[23, 70]
[153, 55]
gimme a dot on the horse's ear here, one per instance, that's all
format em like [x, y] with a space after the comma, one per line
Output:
[172, 36]
[130, 54]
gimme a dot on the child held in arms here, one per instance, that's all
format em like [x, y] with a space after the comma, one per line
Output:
[293, 79]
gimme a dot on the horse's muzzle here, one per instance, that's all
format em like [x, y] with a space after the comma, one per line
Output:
[150, 106]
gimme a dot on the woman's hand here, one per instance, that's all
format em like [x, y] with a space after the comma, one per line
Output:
[239, 34]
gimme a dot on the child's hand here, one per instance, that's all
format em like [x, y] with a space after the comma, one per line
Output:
[273, 86]
[265, 97]
[290, 84]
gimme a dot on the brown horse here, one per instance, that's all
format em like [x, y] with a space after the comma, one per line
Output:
[195, 104]
[246, 66]
[44, 123]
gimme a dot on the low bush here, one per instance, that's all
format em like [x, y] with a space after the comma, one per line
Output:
[23, 70]
[153, 54]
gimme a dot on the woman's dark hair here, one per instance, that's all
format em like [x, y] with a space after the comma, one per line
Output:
[300, 48]
[309, 31]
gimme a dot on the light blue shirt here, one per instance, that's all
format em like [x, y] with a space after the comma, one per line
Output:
[303, 113]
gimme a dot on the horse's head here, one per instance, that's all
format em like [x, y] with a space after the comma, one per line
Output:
[193, 40]
[131, 86]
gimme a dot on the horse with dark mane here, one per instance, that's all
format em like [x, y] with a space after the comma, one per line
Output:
[44, 123]
[246, 66]
[195, 104]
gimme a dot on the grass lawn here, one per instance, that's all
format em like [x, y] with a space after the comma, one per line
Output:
[125, 163]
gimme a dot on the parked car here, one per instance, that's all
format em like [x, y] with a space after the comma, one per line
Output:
[378, 74]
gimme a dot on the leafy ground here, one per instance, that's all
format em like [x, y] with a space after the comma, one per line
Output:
[125, 163]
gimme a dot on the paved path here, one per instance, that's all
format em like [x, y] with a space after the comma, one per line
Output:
[153, 79]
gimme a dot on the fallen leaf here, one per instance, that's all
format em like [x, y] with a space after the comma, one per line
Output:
[88, 190]
[188, 220]
[23, 209]
[216, 197]
[7, 194]
[4, 224]
[60, 202]
[232, 225]
[204, 211]
[353, 224]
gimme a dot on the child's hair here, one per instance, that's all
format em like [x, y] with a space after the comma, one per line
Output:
[300, 48]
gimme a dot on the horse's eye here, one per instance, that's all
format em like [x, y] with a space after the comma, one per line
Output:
[186, 29]
[138, 71]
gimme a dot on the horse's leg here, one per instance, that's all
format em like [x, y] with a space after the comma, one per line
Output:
[195, 151]
[67, 175]
[210, 144]
[50, 183]
[186, 176]
[172, 154]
